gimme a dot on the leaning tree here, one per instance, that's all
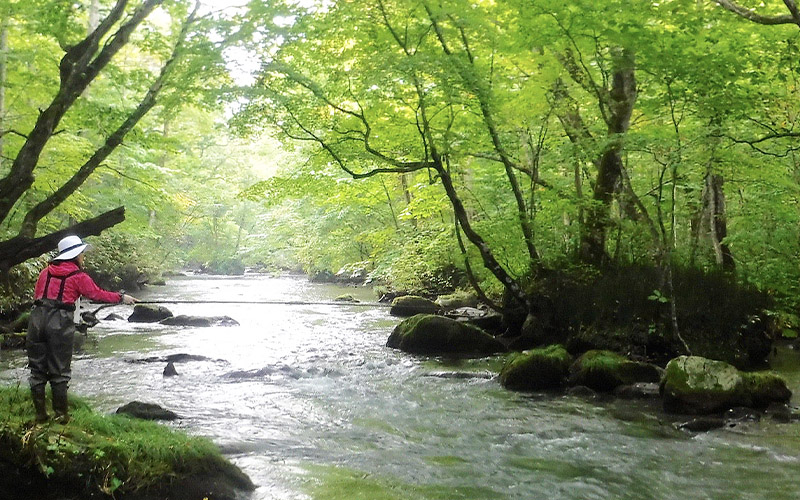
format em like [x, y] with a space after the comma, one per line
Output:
[22, 207]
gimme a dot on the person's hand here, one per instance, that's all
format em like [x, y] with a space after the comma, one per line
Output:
[128, 300]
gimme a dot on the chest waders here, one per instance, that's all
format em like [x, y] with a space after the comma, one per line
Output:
[51, 332]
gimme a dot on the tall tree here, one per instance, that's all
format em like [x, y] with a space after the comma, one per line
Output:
[79, 67]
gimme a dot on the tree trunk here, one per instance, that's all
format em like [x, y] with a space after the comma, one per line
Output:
[715, 219]
[3, 61]
[619, 107]
[19, 249]
[78, 68]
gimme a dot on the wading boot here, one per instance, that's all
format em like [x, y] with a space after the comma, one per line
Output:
[39, 403]
[60, 404]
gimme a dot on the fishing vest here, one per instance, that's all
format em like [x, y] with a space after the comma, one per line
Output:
[57, 301]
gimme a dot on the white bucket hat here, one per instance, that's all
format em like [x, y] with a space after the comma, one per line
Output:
[70, 247]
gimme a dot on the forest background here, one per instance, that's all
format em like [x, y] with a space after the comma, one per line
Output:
[424, 144]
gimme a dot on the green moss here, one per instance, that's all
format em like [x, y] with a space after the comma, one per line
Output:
[105, 453]
[763, 388]
[437, 335]
[606, 370]
[693, 374]
[536, 369]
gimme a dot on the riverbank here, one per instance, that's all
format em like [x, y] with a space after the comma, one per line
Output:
[106, 456]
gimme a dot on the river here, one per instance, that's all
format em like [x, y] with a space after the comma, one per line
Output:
[309, 402]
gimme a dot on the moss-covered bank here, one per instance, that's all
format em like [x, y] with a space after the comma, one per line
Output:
[100, 456]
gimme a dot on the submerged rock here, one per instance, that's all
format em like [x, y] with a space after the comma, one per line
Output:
[536, 369]
[436, 335]
[409, 305]
[199, 321]
[347, 297]
[702, 424]
[606, 370]
[148, 313]
[639, 390]
[146, 411]
[169, 370]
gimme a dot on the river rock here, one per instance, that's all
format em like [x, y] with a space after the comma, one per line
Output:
[147, 411]
[697, 385]
[457, 300]
[536, 369]
[702, 424]
[148, 313]
[199, 321]
[639, 390]
[437, 335]
[536, 331]
[763, 388]
[693, 384]
[347, 297]
[409, 305]
[169, 370]
[606, 370]
[113, 317]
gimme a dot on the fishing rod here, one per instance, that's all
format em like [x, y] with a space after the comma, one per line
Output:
[266, 302]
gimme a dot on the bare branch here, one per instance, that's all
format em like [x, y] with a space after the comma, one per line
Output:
[752, 15]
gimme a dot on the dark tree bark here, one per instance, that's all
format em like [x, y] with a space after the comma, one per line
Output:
[616, 106]
[78, 68]
[715, 221]
[19, 249]
[621, 100]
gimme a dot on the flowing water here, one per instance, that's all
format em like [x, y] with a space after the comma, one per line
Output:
[309, 402]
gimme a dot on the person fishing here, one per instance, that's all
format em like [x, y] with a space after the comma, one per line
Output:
[51, 327]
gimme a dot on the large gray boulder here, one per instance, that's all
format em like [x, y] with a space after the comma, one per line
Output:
[697, 385]
[536, 369]
[437, 335]
[409, 305]
[149, 313]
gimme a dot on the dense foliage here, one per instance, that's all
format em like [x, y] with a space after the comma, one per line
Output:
[424, 141]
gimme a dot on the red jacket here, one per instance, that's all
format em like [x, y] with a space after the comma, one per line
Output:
[76, 284]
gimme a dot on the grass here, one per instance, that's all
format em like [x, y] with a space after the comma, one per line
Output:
[105, 453]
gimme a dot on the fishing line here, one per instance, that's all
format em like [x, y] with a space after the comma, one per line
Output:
[266, 302]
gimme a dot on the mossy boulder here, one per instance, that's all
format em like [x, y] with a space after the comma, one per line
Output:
[436, 335]
[606, 370]
[697, 385]
[148, 313]
[456, 300]
[409, 305]
[537, 331]
[536, 369]
[764, 388]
